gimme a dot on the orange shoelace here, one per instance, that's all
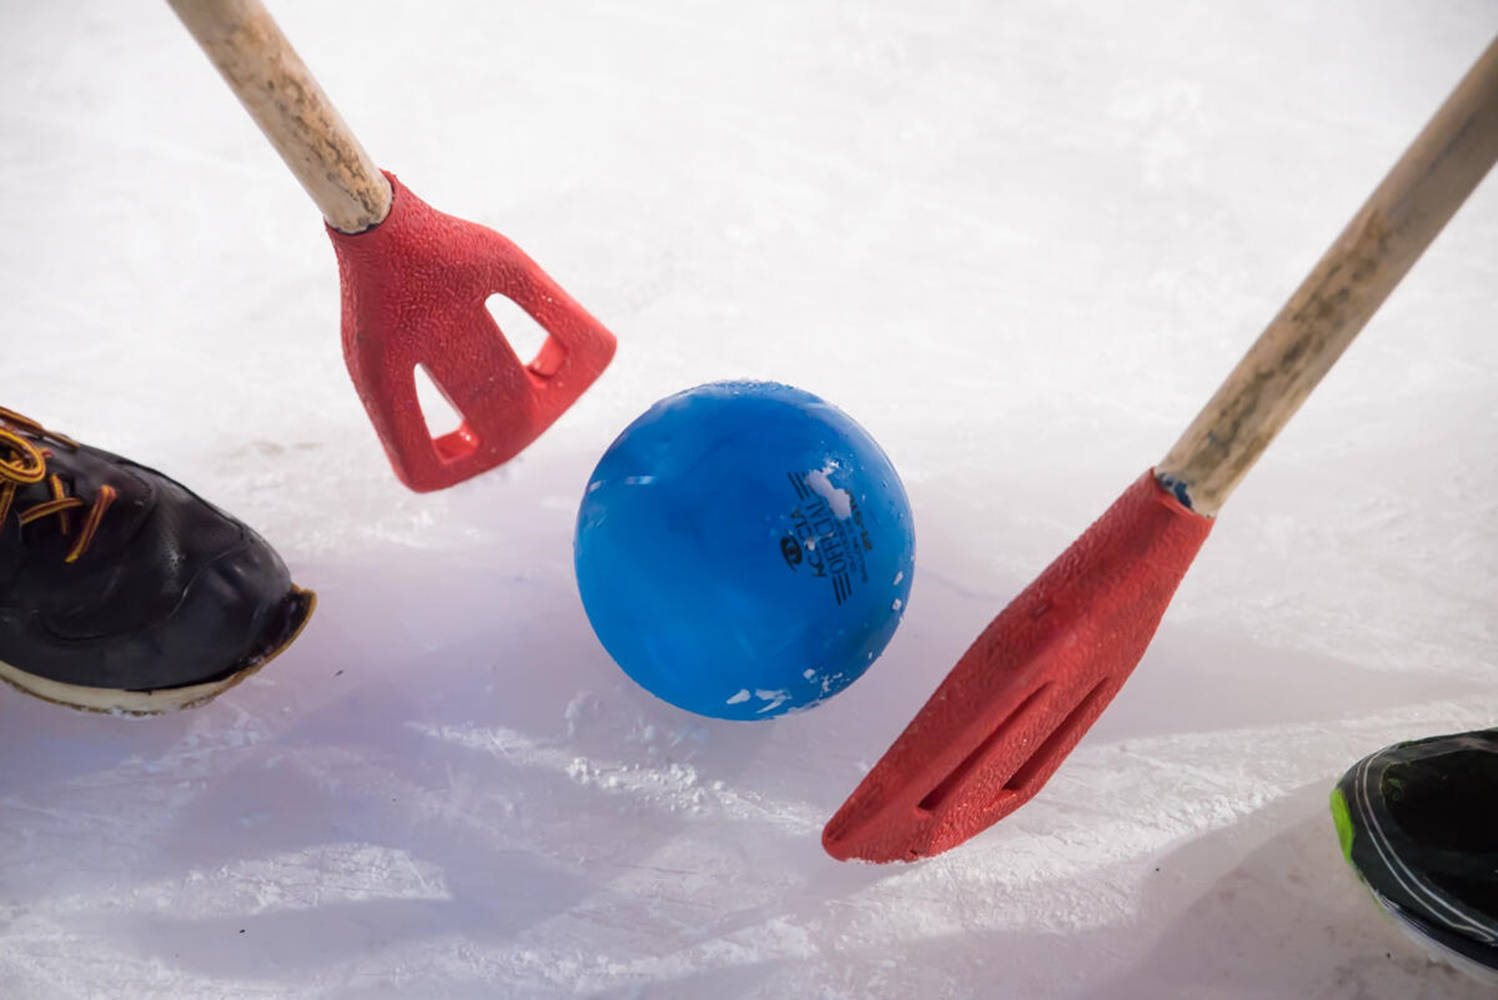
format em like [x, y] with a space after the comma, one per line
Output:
[23, 463]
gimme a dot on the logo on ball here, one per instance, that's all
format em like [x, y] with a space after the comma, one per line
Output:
[791, 550]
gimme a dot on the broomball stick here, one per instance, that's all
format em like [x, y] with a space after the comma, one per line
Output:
[413, 281]
[1042, 672]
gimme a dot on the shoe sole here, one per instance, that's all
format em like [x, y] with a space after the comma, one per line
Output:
[117, 701]
[1434, 950]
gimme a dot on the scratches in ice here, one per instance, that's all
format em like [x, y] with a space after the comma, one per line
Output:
[316, 876]
[673, 786]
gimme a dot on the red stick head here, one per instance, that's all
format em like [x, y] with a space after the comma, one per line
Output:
[414, 289]
[1021, 697]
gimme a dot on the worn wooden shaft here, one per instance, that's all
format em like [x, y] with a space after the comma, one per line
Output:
[263, 70]
[1396, 224]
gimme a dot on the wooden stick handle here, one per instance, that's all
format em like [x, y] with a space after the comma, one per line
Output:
[1386, 237]
[272, 83]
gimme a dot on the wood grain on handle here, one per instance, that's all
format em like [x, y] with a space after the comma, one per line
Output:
[243, 41]
[1426, 187]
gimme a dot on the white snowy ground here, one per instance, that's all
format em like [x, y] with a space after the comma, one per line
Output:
[1021, 242]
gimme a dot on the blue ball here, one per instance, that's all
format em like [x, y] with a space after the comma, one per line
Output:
[744, 549]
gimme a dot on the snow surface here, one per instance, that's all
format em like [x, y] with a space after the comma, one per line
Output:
[1021, 242]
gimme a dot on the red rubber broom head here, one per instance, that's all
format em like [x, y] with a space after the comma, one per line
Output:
[414, 292]
[1022, 696]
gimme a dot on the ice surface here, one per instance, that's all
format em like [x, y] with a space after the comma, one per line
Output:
[1021, 243]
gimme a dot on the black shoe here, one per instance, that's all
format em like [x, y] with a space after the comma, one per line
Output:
[121, 591]
[1419, 823]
